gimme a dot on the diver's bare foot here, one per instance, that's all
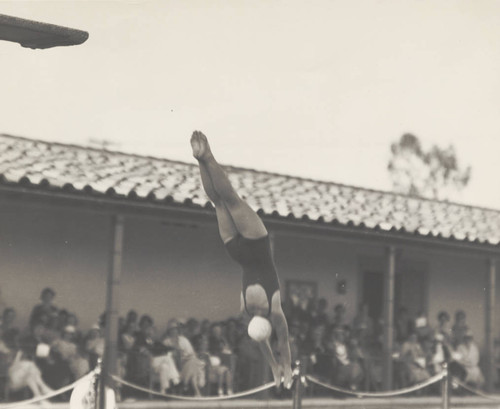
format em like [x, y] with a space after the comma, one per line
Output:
[199, 143]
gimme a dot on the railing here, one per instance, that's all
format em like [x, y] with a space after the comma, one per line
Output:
[300, 382]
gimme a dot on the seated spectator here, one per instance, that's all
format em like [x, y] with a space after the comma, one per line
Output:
[192, 368]
[440, 354]
[217, 372]
[24, 373]
[467, 356]
[319, 358]
[414, 360]
[163, 364]
[140, 357]
[363, 327]
[459, 328]
[347, 371]
[422, 328]
[45, 312]
[69, 352]
[219, 348]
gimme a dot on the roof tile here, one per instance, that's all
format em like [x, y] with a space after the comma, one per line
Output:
[103, 172]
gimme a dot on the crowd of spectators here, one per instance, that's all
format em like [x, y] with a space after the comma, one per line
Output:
[349, 354]
[194, 357]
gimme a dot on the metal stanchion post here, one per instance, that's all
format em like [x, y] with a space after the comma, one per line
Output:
[445, 388]
[297, 386]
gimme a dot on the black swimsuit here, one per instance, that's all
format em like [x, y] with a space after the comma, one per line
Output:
[256, 260]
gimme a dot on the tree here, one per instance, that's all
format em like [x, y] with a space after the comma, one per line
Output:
[434, 173]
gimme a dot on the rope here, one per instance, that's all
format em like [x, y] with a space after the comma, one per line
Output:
[47, 396]
[192, 398]
[430, 381]
[475, 391]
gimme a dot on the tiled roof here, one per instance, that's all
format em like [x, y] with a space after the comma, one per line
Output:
[75, 168]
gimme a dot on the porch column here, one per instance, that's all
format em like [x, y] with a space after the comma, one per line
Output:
[112, 306]
[389, 279]
[490, 324]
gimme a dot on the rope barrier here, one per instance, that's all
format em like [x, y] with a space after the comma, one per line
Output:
[475, 391]
[430, 381]
[193, 398]
[48, 395]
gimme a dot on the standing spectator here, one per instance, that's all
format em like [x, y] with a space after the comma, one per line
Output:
[403, 325]
[193, 330]
[321, 316]
[8, 330]
[45, 312]
[339, 320]
[459, 328]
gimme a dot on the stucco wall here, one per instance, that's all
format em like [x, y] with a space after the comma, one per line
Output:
[181, 270]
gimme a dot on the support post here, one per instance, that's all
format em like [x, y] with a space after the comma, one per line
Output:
[112, 308]
[389, 283]
[297, 386]
[490, 325]
[445, 388]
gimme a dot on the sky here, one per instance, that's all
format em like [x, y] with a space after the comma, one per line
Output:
[318, 89]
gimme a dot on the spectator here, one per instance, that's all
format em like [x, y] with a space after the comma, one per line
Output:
[162, 363]
[444, 328]
[69, 353]
[192, 368]
[94, 345]
[363, 327]
[321, 362]
[339, 320]
[459, 328]
[467, 355]
[140, 357]
[347, 368]
[219, 347]
[403, 325]
[24, 373]
[414, 360]
[422, 329]
[45, 312]
[193, 330]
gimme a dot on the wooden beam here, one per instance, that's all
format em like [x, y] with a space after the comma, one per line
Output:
[490, 324]
[112, 307]
[389, 281]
